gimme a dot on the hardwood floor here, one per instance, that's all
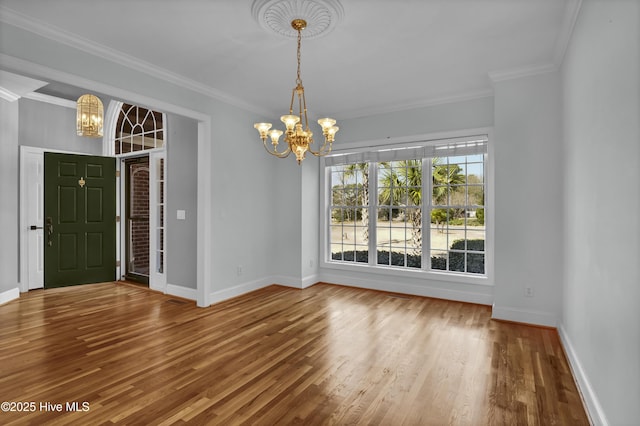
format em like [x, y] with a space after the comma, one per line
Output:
[323, 355]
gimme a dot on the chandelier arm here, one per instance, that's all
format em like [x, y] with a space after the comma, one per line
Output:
[293, 95]
[304, 106]
[275, 153]
[300, 97]
[323, 149]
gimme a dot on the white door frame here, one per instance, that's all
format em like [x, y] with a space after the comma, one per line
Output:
[157, 279]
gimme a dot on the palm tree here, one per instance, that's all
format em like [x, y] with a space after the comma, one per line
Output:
[362, 169]
[411, 176]
[443, 177]
[404, 182]
[391, 191]
[402, 185]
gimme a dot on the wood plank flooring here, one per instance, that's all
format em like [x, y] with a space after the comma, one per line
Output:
[278, 356]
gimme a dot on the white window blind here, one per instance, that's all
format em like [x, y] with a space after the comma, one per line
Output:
[470, 145]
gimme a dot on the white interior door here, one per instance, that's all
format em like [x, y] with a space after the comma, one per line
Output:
[32, 220]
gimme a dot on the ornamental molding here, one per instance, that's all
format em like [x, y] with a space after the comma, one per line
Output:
[275, 16]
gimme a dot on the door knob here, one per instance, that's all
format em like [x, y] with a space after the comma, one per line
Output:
[34, 227]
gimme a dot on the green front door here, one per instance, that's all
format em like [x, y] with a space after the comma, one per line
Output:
[80, 219]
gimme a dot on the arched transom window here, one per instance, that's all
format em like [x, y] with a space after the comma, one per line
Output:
[138, 129]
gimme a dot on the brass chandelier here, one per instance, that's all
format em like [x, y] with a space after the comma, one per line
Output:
[89, 116]
[297, 137]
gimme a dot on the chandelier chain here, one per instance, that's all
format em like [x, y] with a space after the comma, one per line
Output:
[299, 79]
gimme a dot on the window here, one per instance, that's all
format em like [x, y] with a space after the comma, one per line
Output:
[138, 129]
[399, 213]
[457, 228]
[350, 213]
[378, 217]
[158, 190]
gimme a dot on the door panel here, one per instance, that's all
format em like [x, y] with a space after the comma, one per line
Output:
[32, 181]
[80, 200]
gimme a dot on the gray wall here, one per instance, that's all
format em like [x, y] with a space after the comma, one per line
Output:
[182, 187]
[45, 125]
[432, 119]
[244, 191]
[528, 198]
[9, 195]
[601, 317]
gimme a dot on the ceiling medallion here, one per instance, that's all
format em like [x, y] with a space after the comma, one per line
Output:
[276, 16]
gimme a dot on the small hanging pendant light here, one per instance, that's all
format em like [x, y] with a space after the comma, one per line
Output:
[89, 116]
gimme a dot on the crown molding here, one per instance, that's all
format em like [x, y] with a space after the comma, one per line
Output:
[54, 100]
[8, 95]
[497, 76]
[14, 86]
[569, 18]
[571, 12]
[67, 38]
[64, 77]
[448, 99]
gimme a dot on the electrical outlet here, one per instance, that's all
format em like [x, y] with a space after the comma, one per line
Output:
[528, 292]
[239, 270]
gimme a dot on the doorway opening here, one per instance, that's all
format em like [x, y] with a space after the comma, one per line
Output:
[139, 143]
[137, 264]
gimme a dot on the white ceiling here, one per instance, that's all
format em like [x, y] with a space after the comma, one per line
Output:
[383, 56]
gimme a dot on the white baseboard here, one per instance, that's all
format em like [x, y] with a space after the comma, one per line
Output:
[394, 287]
[239, 290]
[9, 295]
[310, 280]
[293, 282]
[286, 281]
[406, 288]
[183, 292]
[526, 316]
[594, 409]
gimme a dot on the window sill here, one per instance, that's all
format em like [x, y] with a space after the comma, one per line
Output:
[365, 268]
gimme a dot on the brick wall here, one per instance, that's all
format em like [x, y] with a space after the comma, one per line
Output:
[139, 214]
